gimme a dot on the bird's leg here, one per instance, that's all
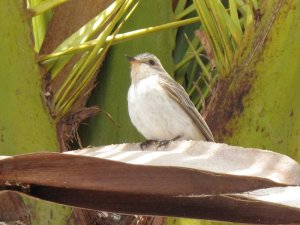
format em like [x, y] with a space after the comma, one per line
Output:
[176, 138]
[164, 143]
[146, 143]
[167, 142]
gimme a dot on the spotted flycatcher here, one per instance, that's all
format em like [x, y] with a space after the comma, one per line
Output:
[159, 107]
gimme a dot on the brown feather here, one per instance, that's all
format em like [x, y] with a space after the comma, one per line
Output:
[179, 95]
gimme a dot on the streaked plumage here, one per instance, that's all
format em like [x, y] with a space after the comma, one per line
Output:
[159, 107]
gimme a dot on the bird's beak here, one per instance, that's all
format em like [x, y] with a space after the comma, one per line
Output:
[132, 59]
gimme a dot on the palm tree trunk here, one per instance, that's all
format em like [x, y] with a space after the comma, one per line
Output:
[25, 124]
[257, 105]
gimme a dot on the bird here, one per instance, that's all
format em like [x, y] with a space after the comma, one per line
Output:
[159, 107]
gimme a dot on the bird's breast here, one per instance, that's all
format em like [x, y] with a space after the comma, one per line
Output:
[146, 101]
[147, 96]
[155, 114]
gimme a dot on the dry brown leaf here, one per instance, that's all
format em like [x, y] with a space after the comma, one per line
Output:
[186, 179]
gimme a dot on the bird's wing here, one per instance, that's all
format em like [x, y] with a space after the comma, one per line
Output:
[177, 93]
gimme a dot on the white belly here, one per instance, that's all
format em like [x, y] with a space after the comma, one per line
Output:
[156, 116]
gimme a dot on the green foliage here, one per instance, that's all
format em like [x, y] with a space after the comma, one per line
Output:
[25, 125]
[114, 78]
[74, 85]
[173, 221]
[207, 50]
[47, 213]
[271, 111]
[270, 116]
[38, 7]
[40, 21]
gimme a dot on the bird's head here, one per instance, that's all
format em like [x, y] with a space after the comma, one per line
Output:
[145, 65]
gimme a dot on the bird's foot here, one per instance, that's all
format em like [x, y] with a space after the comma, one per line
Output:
[176, 138]
[165, 143]
[147, 143]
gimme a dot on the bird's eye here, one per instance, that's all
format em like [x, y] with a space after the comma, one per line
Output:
[151, 62]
